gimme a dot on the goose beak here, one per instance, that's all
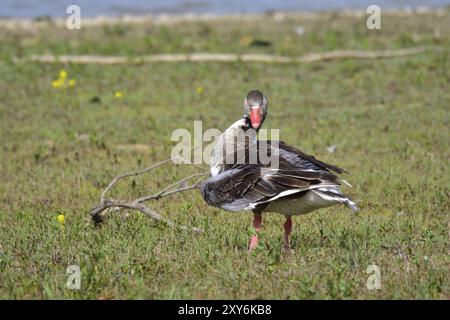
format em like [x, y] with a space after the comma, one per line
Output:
[255, 117]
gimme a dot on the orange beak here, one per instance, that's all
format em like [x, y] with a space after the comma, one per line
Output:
[255, 117]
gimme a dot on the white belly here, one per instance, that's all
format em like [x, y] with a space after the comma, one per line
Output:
[307, 203]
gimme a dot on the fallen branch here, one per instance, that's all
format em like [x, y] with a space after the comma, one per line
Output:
[125, 175]
[223, 57]
[167, 191]
[137, 204]
[95, 212]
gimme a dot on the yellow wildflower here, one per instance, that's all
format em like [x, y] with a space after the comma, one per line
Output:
[56, 83]
[63, 74]
[61, 218]
[72, 83]
[61, 81]
[118, 94]
[200, 89]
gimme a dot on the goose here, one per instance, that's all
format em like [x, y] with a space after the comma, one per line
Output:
[298, 184]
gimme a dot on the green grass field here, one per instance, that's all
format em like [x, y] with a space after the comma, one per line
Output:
[390, 121]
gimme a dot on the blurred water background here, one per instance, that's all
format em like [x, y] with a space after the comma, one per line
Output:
[57, 8]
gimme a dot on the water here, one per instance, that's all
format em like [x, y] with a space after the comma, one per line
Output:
[57, 8]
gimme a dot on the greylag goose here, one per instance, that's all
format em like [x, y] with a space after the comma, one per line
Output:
[297, 185]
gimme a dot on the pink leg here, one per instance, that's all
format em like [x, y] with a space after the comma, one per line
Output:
[257, 219]
[287, 232]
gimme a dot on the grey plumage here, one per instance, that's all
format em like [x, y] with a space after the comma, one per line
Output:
[268, 176]
[248, 186]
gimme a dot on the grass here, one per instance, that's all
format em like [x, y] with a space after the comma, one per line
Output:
[60, 147]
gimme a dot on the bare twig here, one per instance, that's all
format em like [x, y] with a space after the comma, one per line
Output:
[137, 204]
[96, 212]
[136, 173]
[224, 57]
[165, 192]
[130, 174]
[194, 186]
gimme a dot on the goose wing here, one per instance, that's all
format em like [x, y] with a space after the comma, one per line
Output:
[302, 161]
[245, 186]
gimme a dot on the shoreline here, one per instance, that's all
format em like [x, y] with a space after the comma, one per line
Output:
[162, 19]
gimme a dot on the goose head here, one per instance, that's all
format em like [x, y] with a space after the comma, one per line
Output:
[255, 105]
